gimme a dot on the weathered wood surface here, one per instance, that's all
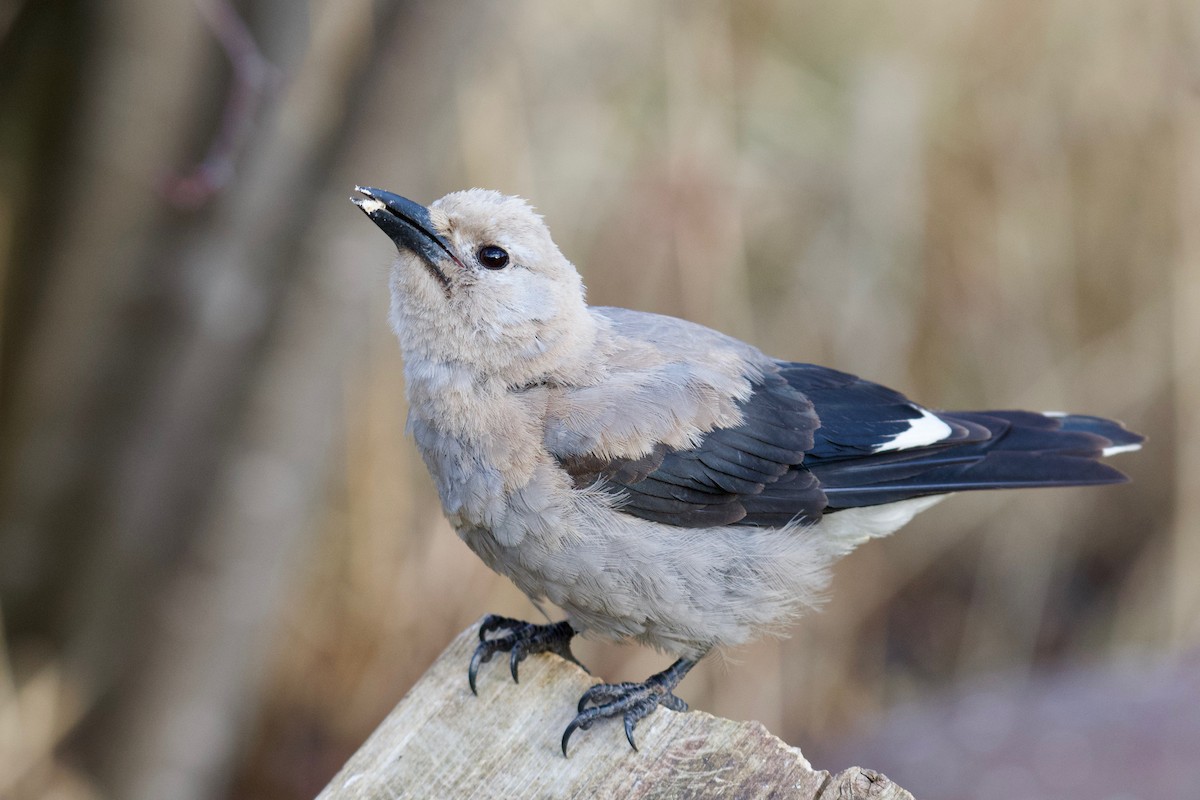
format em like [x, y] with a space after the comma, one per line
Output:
[441, 741]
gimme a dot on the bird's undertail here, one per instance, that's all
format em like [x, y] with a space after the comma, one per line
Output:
[1008, 450]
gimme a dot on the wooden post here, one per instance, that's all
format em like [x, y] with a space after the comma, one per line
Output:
[441, 741]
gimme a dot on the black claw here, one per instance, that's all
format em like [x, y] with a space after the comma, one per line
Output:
[514, 658]
[630, 722]
[482, 653]
[588, 697]
[520, 639]
[631, 701]
[567, 735]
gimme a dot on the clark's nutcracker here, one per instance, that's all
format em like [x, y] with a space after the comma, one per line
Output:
[655, 479]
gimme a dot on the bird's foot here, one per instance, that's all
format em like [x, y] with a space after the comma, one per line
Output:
[632, 701]
[519, 639]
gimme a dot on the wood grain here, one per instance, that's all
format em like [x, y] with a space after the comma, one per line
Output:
[441, 741]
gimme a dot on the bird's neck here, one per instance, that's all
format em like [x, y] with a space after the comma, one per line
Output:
[497, 416]
[479, 438]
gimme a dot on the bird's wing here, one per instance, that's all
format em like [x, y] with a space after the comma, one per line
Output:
[708, 483]
[695, 429]
[685, 423]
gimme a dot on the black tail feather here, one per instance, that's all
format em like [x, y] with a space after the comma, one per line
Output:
[1024, 449]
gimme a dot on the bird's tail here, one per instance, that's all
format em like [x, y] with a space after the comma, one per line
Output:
[1006, 450]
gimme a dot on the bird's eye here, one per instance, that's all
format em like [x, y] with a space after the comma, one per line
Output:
[493, 257]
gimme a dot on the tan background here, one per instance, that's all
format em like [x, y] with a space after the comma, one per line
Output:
[221, 562]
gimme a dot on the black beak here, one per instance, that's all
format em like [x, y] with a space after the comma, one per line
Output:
[408, 225]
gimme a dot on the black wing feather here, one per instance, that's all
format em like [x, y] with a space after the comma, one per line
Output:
[809, 444]
[711, 483]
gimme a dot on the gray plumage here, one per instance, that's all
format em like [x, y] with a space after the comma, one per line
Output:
[654, 478]
[647, 382]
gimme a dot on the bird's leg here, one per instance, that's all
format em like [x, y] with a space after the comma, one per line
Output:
[633, 701]
[519, 639]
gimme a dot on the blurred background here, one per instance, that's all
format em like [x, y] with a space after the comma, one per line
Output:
[221, 563]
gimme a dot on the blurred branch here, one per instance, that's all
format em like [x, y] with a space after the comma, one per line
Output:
[8, 15]
[262, 370]
[254, 78]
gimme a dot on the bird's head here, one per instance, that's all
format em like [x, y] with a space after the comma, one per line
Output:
[479, 283]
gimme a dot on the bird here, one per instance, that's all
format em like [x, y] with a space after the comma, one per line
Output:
[655, 479]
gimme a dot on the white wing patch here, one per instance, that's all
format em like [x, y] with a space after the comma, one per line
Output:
[923, 431]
